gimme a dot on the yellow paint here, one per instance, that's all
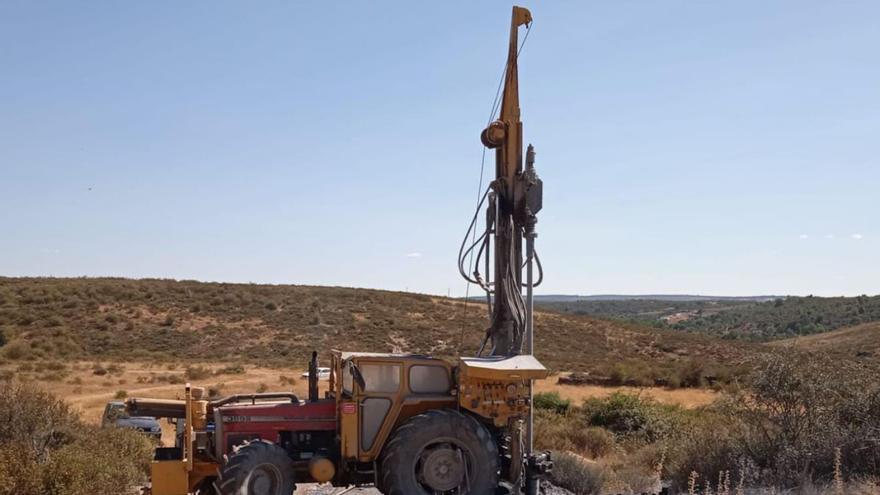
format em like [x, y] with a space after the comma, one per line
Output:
[321, 469]
[169, 478]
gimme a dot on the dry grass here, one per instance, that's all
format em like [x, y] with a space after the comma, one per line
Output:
[686, 397]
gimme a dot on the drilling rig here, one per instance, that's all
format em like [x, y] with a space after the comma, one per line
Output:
[513, 199]
[407, 424]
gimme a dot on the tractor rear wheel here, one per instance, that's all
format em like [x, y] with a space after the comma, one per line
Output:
[440, 452]
[257, 468]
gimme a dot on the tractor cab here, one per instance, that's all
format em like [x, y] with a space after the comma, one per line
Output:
[374, 392]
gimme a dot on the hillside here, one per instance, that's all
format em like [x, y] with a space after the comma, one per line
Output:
[860, 343]
[780, 318]
[91, 319]
[654, 312]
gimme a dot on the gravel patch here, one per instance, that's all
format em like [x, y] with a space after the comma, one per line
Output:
[546, 489]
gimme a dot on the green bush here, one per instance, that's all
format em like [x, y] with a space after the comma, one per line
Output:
[631, 415]
[631, 374]
[551, 401]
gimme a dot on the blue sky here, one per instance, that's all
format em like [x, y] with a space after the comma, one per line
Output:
[686, 147]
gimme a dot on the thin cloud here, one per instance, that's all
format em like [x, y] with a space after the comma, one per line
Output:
[803, 236]
[857, 237]
[412, 255]
[829, 236]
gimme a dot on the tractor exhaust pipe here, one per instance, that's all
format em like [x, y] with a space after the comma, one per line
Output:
[313, 377]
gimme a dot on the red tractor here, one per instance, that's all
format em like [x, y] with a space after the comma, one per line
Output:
[406, 424]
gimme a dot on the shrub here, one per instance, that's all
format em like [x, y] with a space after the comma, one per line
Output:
[551, 401]
[120, 394]
[46, 450]
[17, 349]
[99, 370]
[691, 375]
[53, 376]
[54, 366]
[262, 388]
[632, 374]
[631, 415]
[576, 474]
[597, 442]
[797, 412]
[235, 369]
[214, 390]
[115, 369]
[197, 372]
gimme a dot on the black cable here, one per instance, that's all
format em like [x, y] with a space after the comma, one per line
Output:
[540, 268]
[462, 254]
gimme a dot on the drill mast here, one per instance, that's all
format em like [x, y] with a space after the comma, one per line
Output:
[514, 200]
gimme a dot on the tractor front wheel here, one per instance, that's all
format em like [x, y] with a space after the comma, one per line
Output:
[257, 468]
[440, 452]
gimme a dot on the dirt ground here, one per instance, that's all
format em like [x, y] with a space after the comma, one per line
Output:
[547, 489]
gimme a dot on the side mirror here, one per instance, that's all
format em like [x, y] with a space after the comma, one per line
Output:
[358, 377]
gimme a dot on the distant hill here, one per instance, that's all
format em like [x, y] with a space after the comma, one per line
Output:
[548, 298]
[654, 312]
[166, 320]
[735, 318]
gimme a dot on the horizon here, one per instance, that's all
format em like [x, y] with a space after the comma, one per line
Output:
[407, 291]
[684, 148]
